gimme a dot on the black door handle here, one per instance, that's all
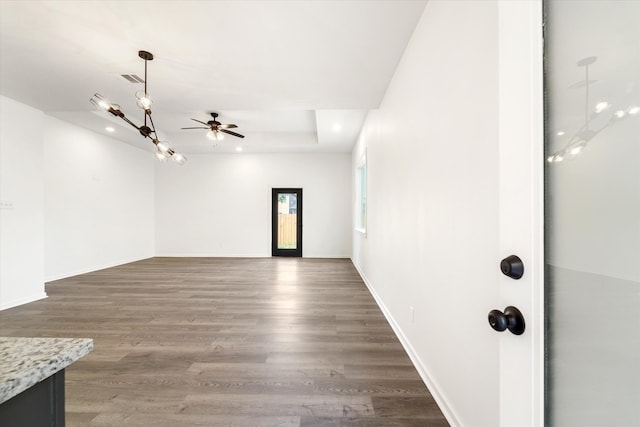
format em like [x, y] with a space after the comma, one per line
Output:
[512, 266]
[511, 319]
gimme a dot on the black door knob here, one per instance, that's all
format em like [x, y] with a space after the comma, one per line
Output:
[511, 319]
[512, 266]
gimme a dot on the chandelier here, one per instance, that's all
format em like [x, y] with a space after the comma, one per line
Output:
[148, 129]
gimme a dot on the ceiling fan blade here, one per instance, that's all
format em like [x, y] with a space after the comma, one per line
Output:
[199, 127]
[195, 120]
[229, 126]
[232, 133]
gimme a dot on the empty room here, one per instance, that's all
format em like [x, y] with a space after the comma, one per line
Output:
[320, 213]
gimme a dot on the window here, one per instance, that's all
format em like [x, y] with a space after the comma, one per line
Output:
[361, 195]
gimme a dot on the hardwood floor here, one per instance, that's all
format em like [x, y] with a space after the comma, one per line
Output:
[285, 342]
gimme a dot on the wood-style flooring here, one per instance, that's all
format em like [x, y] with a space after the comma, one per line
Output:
[288, 342]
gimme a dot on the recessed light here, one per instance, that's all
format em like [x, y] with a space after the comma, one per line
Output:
[109, 129]
[238, 149]
[336, 127]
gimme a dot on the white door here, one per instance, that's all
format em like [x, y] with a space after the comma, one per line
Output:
[521, 148]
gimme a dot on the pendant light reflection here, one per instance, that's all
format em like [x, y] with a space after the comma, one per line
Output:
[601, 106]
[578, 142]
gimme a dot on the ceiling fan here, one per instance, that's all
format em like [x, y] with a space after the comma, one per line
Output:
[216, 129]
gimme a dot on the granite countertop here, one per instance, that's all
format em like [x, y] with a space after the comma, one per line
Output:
[25, 362]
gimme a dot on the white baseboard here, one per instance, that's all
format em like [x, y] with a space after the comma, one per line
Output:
[20, 301]
[201, 255]
[442, 402]
[327, 256]
[265, 255]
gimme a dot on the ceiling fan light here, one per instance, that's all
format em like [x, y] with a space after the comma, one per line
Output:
[215, 135]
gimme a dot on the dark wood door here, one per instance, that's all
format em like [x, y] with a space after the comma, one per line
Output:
[286, 222]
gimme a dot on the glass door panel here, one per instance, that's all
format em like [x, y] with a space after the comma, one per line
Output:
[287, 215]
[592, 219]
[286, 222]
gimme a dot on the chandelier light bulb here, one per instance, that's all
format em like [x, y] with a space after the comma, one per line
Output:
[220, 136]
[161, 156]
[634, 110]
[144, 101]
[100, 102]
[163, 147]
[179, 158]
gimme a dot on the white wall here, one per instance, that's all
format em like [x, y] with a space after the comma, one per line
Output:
[99, 201]
[220, 204]
[22, 225]
[432, 189]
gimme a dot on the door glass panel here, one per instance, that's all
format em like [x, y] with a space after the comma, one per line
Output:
[287, 220]
[592, 220]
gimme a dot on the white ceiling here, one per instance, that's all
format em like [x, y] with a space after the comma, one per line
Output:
[286, 72]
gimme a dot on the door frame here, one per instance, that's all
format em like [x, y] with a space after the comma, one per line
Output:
[297, 252]
[521, 207]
